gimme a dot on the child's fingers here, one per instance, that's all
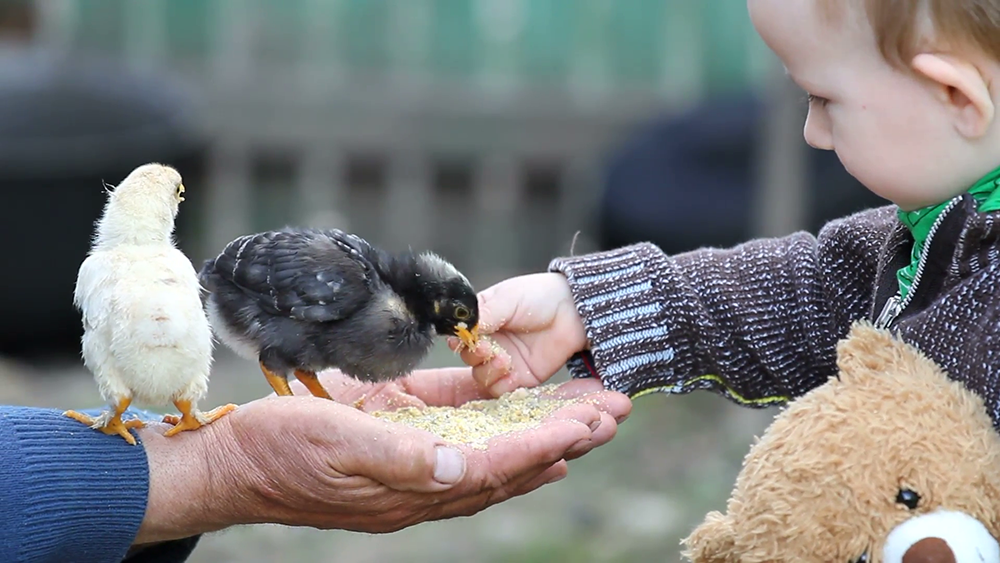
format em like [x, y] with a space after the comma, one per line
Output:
[488, 379]
[469, 357]
[488, 374]
[504, 383]
[494, 310]
[501, 360]
[472, 359]
[484, 351]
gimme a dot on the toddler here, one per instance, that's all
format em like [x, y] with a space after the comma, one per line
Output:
[904, 91]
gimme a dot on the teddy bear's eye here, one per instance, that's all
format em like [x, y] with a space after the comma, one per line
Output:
[862, 559]
[908, 498]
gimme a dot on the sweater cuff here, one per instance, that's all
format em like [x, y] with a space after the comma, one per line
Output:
[622, 312]
[176, 551]
[75, 494]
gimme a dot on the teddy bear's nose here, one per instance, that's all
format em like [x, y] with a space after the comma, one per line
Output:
[942, 536]
[929, 550]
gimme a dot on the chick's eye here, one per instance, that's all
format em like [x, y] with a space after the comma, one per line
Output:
[862, 559]
[908, 498]
[462, 313]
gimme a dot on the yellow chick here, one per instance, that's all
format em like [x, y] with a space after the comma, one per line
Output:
[146, 335]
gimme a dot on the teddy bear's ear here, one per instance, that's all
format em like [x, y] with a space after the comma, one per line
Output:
[867, 350]
[713, 541]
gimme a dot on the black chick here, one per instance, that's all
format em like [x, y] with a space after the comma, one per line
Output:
[304, 300]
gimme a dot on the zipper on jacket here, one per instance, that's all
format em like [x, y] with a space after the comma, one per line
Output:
[896, 304]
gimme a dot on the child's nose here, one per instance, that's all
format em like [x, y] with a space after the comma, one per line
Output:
[817, 131]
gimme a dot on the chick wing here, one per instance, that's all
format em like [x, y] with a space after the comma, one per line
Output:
[307, 275]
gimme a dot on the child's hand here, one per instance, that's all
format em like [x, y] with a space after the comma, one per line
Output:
[533, 318]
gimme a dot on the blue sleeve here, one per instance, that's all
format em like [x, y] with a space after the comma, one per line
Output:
[70, 493]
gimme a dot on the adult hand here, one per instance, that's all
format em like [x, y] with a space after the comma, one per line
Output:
[303, 461]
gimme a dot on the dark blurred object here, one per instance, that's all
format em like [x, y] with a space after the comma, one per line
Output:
[67, 126]
[688, 181]
[18, 20]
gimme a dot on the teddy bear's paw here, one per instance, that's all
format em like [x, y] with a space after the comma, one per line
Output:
[942, 536]
[712, 542]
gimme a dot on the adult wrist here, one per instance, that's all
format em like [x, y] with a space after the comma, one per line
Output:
[192, 483]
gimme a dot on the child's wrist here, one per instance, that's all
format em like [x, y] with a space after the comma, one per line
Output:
[568, 316]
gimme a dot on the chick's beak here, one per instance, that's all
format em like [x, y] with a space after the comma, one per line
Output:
[469, 337]
[180, 192]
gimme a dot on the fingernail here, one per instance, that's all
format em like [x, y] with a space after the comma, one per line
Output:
[452, 342]
[449, 465]
[556, 479]
[595, 425]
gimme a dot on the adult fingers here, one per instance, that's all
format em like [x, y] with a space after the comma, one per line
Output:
[528, 481]
[591, 391]
[546, 444]
[402, 458]
[602, 435]
[555, 473]
[414, 508]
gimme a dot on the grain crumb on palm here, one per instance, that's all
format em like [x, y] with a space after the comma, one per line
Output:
[476, 422]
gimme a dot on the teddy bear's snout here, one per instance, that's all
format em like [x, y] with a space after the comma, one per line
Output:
[941, 537]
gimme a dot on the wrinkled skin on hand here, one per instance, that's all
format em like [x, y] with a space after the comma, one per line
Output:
[304, 461]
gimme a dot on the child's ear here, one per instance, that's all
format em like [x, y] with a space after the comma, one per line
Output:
[962, 89]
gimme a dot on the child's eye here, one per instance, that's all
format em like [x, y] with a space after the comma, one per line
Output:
[811, 99]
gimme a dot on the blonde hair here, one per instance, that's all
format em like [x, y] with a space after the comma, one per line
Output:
[901, 31]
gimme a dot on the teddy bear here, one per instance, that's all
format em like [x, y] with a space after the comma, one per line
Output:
[890, 461]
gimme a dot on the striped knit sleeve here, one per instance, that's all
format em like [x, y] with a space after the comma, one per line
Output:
[758, 322]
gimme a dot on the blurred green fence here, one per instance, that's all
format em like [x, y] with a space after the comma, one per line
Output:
[660, 45]
[414, 119]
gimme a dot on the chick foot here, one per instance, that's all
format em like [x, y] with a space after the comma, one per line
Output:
[193, 419]
[311, 381]
[110, 422]
[277, 381]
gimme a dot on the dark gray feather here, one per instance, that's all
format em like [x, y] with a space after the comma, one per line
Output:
[303, 275]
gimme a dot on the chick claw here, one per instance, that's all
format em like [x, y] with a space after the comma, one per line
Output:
[191, 419]
[108, 423]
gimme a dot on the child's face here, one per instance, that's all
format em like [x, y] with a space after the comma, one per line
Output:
[886, 126]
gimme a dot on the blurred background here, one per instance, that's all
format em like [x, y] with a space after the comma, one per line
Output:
[496, 132]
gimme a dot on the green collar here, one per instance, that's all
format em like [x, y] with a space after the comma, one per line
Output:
[920, 222]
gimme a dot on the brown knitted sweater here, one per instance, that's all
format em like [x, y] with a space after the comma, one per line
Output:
[759, 322]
